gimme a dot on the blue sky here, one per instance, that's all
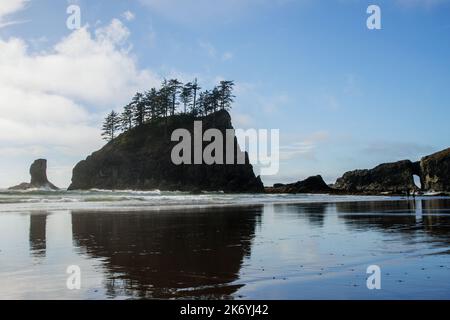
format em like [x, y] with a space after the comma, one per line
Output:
[343, 96]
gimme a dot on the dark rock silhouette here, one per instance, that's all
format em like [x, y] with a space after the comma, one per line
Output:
[174, 254]
[396, 178]
[436, 171]
[38, 172]
[140, 159]
[38, 239]
[311, 185]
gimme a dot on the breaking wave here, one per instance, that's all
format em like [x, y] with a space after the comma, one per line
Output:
[125, 200]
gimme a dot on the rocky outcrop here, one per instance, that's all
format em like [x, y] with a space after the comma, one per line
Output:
[394, 178]
[38, 172]
[140, 159]
[310, 185]
[436, 171]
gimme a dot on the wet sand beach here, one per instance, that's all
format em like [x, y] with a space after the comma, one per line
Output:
[318, 250]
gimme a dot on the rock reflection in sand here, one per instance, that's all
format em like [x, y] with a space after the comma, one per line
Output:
[272, 251]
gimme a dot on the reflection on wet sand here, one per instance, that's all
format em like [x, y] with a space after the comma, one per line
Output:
[279, 251]
[38, 242]
[407, 218]
[167, 255]
[314, 213]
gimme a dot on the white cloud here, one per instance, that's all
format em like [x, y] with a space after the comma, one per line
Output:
[8, 7]
[96, 70]
[303, 147]
[128, 15]
[51, 103]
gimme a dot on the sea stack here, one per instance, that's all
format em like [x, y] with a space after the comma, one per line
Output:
[38, 172]
[140, 159]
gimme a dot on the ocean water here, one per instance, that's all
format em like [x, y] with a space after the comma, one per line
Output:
[158, 245]
[35, 200]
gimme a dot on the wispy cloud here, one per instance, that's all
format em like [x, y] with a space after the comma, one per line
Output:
[9, 7]
[212, 52]
[304, 147]
[394, 151]
[128, 15]
[208, 48]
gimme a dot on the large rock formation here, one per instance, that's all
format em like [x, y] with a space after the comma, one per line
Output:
[310, 185]
[38, 172]
[395, 178]
[140, 159]
[390, 178]
[436, 171]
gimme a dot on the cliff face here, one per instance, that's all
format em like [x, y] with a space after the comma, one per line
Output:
[394, 177]
[436, 171]
[140, 159]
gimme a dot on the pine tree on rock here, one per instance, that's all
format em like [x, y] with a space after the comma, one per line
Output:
[195, 88]
[174, 88]
[159, 104]
[138, 103]
[110, 126]
[186, 95]
[126, 118]
[151, 104]
[226, 94]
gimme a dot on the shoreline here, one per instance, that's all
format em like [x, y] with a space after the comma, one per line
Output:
[188, 202]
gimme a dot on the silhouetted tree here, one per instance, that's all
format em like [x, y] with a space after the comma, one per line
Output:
[226, 94]
[174, 87]
[138, 104]
[215, 99]
[151, 104]
[110, 126]
[195, 88]
[200, 108]
[155, 104]
[186, 95]
[206, 105]
[126, 118]
[164, 98]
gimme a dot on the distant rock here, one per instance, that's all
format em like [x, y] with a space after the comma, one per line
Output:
[38, 172]
[310, 185]
[393, 178]
[140, 159]
[436, 171]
